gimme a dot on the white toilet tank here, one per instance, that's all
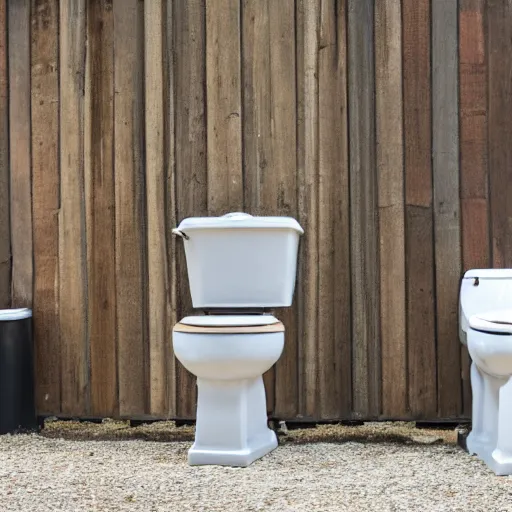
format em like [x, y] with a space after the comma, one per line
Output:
[241, 261]
[481, 291]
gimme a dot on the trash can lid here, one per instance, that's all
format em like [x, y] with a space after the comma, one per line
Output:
[7, 315]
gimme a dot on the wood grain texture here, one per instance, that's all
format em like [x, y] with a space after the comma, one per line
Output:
[445, 151]
[499, 31]
[259, 170]
[130, 207]
[340, 113]
[170, 212]
[334, 355]
[390, 172]
[301, 195]
[269, 152]
[156, 184]
[72, 236]
[307, 167]
[46, 200]
[363, 214]
[191, 178]
[224, 108]
[100, 208]
[5, 232]
[20, 152]
[280, 182]
[419, 215]
[474, 175]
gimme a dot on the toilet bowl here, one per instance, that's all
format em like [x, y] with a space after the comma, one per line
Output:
[229, 361]
[488, 335]
[237, 264]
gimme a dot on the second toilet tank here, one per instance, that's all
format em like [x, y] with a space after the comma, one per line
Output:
[241, 261]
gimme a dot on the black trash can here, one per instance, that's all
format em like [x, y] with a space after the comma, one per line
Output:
[17, 405]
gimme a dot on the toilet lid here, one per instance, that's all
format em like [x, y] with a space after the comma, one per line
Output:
[499, 321]
[229, 324]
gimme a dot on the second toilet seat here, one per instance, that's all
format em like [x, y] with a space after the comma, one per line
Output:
[499, 322]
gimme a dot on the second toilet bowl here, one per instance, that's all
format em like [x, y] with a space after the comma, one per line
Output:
[490, 346]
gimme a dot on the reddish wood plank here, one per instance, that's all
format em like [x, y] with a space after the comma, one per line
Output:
[45, 201]
[418, 194]
[473, 152]
[130, 207]
[499, 31]
[5, 234]
[20, 152]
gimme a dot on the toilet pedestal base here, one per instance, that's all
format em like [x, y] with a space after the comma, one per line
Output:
[491, 439]
[231, 427]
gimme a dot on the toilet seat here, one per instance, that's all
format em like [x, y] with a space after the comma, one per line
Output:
[498, 322]
[229, 324]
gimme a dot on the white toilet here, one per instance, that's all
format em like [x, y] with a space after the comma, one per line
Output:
[240, 267]
[486, 329]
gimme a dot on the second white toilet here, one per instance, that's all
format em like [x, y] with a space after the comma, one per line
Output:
[486, 329]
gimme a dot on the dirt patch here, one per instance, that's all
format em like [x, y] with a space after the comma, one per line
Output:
[167, 431]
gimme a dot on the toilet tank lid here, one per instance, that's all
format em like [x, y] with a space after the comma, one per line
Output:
[229, 320]
[499, 321]
[489, 273]
[239, 220]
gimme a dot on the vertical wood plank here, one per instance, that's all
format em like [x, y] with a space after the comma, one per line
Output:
[257, 121]
[473, 152]
[334, 353]
[191, 169]
[269, 152]
[280, 183]
[156, 205]
[170, 213]
[100, 208]
[46, 201]
[499, 31]
[308, 18]
[130, 206]
[5, 234]
[224, 118]
[259, 170]
[390, 170]
[72, 250]
[418, 196]
[301, 201]
[20, 155]
[363, 214]
[445, 151]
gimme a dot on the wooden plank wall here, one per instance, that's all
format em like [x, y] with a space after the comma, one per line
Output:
[383, 126]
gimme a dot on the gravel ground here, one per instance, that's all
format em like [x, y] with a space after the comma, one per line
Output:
[377, 467]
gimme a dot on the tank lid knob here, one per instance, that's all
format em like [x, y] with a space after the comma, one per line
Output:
[237, 216]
